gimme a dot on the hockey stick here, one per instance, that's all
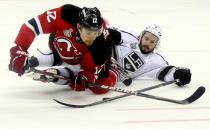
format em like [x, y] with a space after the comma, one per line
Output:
[49, 74]
[197, 94]
[128, 80]
[104, 100]
[103, 86]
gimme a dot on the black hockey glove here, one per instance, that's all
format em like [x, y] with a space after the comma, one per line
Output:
[127, 82]
[115, 35]
[31, 62]
[184, 76]
[79, 83]
[105, 70]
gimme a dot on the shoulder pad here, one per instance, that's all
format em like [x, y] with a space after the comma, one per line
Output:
[69, 13]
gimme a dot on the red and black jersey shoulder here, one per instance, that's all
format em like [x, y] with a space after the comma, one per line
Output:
[101, 50]
[70, 13]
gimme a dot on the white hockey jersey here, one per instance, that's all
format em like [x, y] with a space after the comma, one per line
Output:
[137, 64]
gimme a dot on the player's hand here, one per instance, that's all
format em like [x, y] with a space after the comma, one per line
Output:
[184, 76]
[18, 59]
[127, 82]
[79, 82]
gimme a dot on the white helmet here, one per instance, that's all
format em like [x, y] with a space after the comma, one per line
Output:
[154, 29]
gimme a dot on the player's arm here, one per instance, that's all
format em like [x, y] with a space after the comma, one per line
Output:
[41, 24]
[167, 73]
[115, 36]
[44, 23]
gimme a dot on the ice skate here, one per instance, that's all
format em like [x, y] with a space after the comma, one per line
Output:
[45, 78]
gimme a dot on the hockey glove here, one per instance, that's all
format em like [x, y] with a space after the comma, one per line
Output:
[127, 82]
[18, 59]
[110, 81]
[79, 82]
[184, 76]
[32, 62]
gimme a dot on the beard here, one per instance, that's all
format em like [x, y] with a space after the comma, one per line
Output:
[145, 49]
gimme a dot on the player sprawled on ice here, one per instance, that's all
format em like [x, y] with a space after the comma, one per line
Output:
[79, 43]
[136, 56]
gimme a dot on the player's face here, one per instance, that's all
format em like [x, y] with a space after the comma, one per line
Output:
[148, 42]
[88, 36]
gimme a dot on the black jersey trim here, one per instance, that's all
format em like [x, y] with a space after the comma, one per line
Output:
[164, 72]
[162, 58]
[115, 72]
[57, 59]
[70, 13]
[34, 24]
[129, 34]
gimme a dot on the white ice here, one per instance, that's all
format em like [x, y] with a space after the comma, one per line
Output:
[26, 104]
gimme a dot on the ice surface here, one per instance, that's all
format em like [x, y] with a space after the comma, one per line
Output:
[26, 104]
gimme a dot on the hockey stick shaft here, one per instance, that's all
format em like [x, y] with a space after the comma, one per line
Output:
[119, 68]
[199, 92]
[107, 87]
[132, 92]
[49, 74]
[143, 90]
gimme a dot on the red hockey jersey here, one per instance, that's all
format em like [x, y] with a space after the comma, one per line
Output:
[67, 43]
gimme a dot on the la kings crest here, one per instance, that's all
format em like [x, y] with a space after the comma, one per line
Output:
[132, 62]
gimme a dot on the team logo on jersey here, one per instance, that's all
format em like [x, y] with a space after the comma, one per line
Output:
[68, 32]
[64, 46]
[133, 45]
[132, 62]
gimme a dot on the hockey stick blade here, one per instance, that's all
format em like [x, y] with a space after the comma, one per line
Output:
[69, 105]
[197, 94]
[81, 106]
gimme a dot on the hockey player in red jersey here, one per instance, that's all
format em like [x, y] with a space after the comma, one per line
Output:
[78, 40]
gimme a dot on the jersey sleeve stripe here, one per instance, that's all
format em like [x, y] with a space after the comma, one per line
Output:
[164, 72]
[130, 34]
[31, 27]
[39, 25]
[34, 25]
[115, 72]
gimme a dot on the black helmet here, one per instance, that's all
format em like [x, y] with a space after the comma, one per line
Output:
[90, 18]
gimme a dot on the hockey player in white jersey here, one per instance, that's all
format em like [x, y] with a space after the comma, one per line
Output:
[136, 56]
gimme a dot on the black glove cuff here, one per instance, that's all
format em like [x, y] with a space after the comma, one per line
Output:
[127, 82]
